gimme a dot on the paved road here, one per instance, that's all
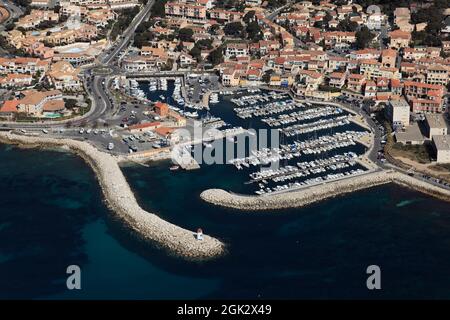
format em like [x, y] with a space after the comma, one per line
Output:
[125, 38]
[272, 16]
[14, 10]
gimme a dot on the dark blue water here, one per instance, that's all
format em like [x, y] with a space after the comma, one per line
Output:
[52, 216]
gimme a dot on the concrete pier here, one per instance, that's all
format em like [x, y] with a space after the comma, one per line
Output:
[310, 195]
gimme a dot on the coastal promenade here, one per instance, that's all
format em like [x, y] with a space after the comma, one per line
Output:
[309, 195]
[122, 201]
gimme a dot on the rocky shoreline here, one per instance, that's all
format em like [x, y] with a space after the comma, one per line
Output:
[307, 196]
[121, 200]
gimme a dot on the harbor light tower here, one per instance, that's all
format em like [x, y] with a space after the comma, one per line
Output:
[199, 234]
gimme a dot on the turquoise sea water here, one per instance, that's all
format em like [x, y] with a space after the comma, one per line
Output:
[52, 215]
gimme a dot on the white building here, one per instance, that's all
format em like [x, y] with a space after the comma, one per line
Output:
[236, 50]
[253, 3]
[398, 113]
[375, 21]
[441, 145]
[435, 125]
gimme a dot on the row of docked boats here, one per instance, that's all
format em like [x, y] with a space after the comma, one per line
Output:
[135, 90]
[316, 146]
[249, 100]
[267, 109]
[303, 169]
[214, 98]
[213, 122]
[321, 124]
[157, 84]
[309, 182]
[308, 114]
[176, 95]
[325, 143]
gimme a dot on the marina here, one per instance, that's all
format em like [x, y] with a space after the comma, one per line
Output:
[316, 143]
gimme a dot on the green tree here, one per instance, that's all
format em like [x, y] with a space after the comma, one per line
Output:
[185, 34]
[364, 37]
[233, 28]
[254, 31]
[196, 53]
[249, 16]
[204, 44]
[158, 9]
[216, 56]
[266, 76]
[347, 25]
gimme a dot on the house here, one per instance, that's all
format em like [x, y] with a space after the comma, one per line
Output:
[35, 103]
[9, 108]
[339, 39]
[230, 77]
[38, 49]
[435, 125]
[12, 80]
[424, 97]
[389, 58]
[399, 39]
[281, 80]
[186, 60]
[396, 87]
[398, 113]
[23, 65]
[370, 90]
[144, 127]
[63, 76]
[438, 74]
[356, 82]
[195, 13]
[236, 50]
[375, 21]
[307, 81]
[441, 146]
[122, 4]
[100, 17]
[36, 17]
[253, 3]
[337, 79]
[224, 15]
[162, 109]
[410, 135]
[74, 58]
[365, 54]
[142, 63]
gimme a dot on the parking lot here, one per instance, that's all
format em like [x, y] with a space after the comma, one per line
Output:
[198, 85]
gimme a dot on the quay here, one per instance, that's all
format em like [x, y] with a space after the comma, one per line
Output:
[312, 194]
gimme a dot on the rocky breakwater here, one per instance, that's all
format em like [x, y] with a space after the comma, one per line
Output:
[122, 201]
[308, 195]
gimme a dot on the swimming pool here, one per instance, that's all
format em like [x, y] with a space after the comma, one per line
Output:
[52, 115]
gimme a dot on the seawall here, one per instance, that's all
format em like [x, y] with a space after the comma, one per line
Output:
[122, 201]
[307, 196]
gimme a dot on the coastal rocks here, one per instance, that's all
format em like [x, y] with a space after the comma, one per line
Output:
[317, 193]
[122, 201]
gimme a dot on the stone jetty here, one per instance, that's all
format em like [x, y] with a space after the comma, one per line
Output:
[122, 201]
[310, 195]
